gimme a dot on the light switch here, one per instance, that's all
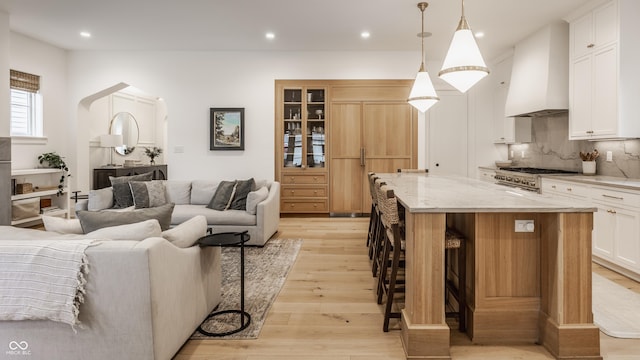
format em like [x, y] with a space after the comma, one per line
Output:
[609, 156]
[524, 226]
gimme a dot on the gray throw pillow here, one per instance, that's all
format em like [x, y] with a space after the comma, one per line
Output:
[94, 220]
[223, 196]
[122, 197]
[243, 188]
[125, 179]
[140, 194]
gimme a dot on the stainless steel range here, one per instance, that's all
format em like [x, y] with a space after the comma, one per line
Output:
[525, 177]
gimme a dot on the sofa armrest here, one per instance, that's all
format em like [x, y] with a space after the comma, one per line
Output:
[268, 212]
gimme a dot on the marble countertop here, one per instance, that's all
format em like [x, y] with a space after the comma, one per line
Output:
[437, 194]
[611, 181]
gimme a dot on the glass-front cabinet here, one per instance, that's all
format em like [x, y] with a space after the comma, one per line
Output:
[304, 128]
[301, 145]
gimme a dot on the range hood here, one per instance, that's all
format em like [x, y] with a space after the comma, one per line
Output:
[540, 73]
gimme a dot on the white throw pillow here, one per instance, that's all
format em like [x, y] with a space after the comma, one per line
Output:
[187, 234]
[256, 197]
[136, 231]
[61, 225]
[100, 199]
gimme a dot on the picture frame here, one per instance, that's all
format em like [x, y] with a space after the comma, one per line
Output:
[226, 129]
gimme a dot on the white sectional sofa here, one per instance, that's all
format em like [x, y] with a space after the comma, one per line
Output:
[143, 301]
[191, 198]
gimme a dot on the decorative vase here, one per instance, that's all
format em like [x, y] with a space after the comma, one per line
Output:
[588, 167]
[153, 161]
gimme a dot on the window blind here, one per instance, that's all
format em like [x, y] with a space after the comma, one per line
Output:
[24, 81]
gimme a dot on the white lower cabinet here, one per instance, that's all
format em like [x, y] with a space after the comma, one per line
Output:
[616, 224]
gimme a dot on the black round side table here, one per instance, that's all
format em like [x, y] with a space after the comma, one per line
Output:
[224, 240]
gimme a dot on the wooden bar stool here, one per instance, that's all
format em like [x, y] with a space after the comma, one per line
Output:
[378, 239]
[373, 215]
[390, 281]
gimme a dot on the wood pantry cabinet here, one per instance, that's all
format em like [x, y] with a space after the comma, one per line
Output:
[604, 57]
[330, 133]
[301, 145]
[373, 129]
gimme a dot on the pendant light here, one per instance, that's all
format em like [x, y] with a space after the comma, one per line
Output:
[463, 66]
[423, 95]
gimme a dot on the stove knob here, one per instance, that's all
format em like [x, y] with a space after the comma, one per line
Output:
[516, 180]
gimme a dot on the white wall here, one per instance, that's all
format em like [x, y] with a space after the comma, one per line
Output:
[5, 113]
[39, 58]
[192, 82]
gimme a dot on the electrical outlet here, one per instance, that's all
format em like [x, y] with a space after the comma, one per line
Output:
[609, 156]
[522, 154]
[511, 154]
[524, 226]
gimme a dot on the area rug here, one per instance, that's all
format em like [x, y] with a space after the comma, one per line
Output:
[266, 270]
[616, 309]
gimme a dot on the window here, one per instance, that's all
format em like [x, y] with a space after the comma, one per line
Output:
[26, 105]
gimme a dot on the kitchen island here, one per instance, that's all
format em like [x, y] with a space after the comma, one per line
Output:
[528, 266]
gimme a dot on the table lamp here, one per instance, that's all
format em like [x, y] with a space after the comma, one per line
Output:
[110, 141]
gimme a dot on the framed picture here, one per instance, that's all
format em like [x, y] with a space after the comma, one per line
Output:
[227, 129]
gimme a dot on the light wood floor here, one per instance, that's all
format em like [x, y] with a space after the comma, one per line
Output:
[327, 310]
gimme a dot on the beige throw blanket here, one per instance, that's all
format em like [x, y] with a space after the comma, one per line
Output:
[43, 279]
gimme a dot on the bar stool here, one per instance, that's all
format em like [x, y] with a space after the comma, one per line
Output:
[389, 281]
[379, 236]
[373, 215]
[392, 260]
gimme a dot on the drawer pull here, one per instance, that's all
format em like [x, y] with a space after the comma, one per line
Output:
[292, 192]
[292, 205]
[553, 186]
[569, 189]
[292, 179]
[590, 46]
[315, 205]
[315, 192]
[611, 211]
[613, 197]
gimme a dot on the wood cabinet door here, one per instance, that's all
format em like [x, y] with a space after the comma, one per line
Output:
[346, 158]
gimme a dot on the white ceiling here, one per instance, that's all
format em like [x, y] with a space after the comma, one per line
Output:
[299, 25]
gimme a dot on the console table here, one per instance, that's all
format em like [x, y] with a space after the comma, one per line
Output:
[101, 175]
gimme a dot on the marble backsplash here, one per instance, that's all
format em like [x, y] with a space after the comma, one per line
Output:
[551, 148]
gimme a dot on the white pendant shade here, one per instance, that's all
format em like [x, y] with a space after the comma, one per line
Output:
[463, 66]
[423, 95]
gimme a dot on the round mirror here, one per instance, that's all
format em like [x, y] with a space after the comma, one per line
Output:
[125, 124]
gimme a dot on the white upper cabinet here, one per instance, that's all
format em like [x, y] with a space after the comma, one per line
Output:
[603, 68]
[506, 130]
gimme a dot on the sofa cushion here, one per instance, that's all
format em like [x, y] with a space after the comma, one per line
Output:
[136, 231]
[125, 179]
[178, 191]
[100, 199]
[202, 191]
[122, 197]
[256, 197]
[243, 188]
[223, 196]
[139, 194]
[94, 220]
[183, 213]
[61, 225]
[187, 233]
[147, 193]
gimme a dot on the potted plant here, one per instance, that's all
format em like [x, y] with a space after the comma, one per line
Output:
[152, 153]
[53, 160]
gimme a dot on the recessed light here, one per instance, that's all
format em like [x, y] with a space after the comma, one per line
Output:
[85, 34]
[270, 35]
[479, 34]
[365, 35]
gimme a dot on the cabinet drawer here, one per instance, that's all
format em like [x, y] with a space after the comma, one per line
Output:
[304, 179]
[297, 192]
[615, 197]
[565, 188]
[302, 206]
